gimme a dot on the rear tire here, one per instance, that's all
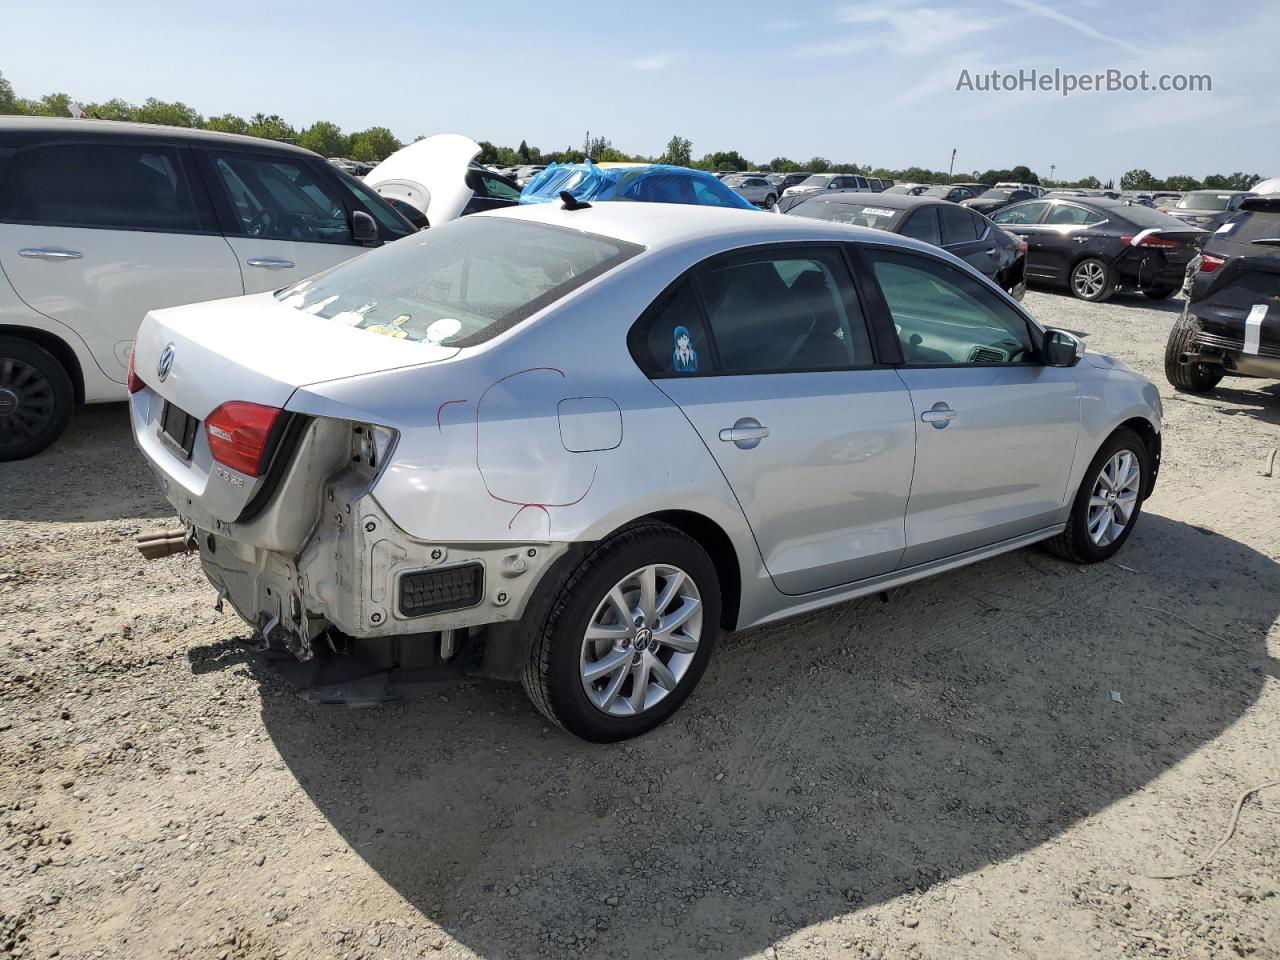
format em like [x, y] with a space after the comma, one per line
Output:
[1191, 377]
[36, 399]
[1094, 530]
[568, 675]
[769, 201]
[1093, 280]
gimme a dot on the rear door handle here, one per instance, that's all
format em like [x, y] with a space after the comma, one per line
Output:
[746, 433]
[271, 263]
[939, 415]
[49, 253]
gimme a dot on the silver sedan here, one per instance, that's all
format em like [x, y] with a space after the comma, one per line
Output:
[757, 190]
[572, 446]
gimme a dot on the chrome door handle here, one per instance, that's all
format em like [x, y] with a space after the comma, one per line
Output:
[49, 253]
[1079, 239]
[939, 415]
[746, 433]
[271, 263]
[991, 252]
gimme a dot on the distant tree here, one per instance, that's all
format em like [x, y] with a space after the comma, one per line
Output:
[818, 164]
[597, 147]
[679, 151]
[783, 165]
[373, 145]
[1181, 182]
[176, 114]
[1088, 183]
[325, 138]
[1023, 174]
[8, 100]
[271, 128]
[523, 152]
[227, 123]
[724, 160]
[50, 105]
[1138, 179]
[115, 109]
[1232, 181]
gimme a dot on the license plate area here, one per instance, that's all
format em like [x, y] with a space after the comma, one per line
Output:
[178, 429]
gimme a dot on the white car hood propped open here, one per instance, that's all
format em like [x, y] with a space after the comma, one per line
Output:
[430, 175]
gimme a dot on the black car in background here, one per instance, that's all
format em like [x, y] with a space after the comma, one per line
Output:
[955, 192]
[968, 235]
[1095, 246]
[1231, 326]
[997, 198]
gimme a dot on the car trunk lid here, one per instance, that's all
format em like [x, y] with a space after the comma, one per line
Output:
[211, 383]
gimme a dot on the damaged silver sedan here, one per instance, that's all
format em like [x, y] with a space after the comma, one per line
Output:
[570, 445]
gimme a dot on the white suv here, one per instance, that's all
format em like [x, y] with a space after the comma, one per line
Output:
[101, 222]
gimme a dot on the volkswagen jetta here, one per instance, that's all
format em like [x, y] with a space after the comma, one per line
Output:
[570, 445]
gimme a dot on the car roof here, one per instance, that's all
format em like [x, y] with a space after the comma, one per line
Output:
[661, 225]
[17, 130]
[895, 201]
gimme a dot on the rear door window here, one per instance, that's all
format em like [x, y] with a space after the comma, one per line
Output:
[104, 186]
[1022, 213]
[281, 198]
[958, 225]
[923, 225]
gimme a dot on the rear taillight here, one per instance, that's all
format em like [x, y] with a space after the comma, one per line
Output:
[239, 434]
[135, 381]
[1210, 264]
[1152, 240]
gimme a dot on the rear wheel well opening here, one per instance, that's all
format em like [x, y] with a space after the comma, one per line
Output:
[712, 538]
[1144, 429]
[56, 346]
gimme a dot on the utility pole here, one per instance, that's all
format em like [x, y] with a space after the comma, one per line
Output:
[951, 168]
[1052, 167]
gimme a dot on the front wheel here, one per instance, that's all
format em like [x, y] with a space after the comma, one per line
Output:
[1108, 502]
[769, 201]
[36, 399]
[1093, 280]
[628, 635]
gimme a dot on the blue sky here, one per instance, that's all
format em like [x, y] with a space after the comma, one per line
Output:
[868, 82]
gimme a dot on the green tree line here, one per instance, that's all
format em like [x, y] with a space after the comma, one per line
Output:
[377, 143]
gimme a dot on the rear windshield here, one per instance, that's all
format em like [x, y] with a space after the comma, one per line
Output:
[817, 180]
[460, 284]
[1142, 216]
[858, 214]
[1204, 201]
[1254, 225]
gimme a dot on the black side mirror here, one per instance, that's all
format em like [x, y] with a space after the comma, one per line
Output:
[1062, 349]
[364, 229]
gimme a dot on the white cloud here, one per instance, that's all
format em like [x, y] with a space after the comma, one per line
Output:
[902, 28]
[654, 61]
[1049, 13]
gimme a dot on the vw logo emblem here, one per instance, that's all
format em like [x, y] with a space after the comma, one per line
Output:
[166, 363]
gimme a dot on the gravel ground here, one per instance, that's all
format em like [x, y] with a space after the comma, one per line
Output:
[947, 775]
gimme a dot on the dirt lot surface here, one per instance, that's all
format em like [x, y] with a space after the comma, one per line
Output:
[948, 775]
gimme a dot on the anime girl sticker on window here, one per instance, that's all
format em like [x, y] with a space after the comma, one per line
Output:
[684, 358]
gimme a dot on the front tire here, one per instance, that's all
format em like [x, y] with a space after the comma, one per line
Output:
[628, 635]
[1093, 280]
[769, 201]
[36, 399]
[1193, 376]
[1109, 500]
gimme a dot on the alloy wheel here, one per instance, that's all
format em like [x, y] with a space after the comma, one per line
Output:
[1114, 497]
[1090, 278]
[27, 401]
[641, 640]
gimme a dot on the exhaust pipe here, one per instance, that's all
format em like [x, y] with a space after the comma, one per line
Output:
[165, 543]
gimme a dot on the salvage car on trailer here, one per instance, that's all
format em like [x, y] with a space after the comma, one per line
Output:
[570, 444]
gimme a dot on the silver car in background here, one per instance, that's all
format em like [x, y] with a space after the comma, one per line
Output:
[571, 446]
[758, 190]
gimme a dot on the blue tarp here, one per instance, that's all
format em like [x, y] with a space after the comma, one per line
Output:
[651, 183]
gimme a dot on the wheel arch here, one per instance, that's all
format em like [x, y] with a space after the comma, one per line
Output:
[1145, 429]
[713, 539]
[55, 345]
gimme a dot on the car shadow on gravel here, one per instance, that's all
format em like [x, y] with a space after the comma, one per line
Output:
[826, 764]
[1261, 402]
[93, 473]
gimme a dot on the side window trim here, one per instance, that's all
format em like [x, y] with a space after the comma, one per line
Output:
[881, 357]
[1035, 333]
